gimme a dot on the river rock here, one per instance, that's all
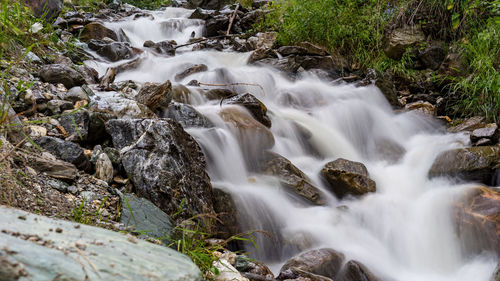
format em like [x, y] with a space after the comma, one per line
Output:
[292, 50]
[253, 105]
[346, 177]
[104, 168]
[472, 164]
[181, 94]
[218, 94]
[325, 262]
[163, 47]
[227, 214]
[66, 151]
[113, 51]
[216, 25]
[489, 131]
[207, 4]
[291, 178]
[75, 94]
[139, 214]
[398, 40]
[190, 71]
[468, 125]
[154, 95]
[97, 31]
[422, 107]
[312, 49]
[186, 115]
[478, 220]
[59, 73]
[227, 272]
[52, 167]
[119, 106]
[48, 9]
[250, 268]
[53, 250]
[355, 271]
[165, 163]
[260, 54]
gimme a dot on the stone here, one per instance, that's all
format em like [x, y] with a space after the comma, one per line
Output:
[395, 42]
[165, 164]
[471, 164]
[431, 57]
[227, 272]
[139, 214]
[90, 75]
[190, 71]
[346, 177]
[52, 167]
[76, 125]
[478, 220]
[260, 54]
[75, 94]
[325, 262]
[250, 266]
[109, 255]
[388, 89]
[227, 214]
[37, 131]
[163, 47]
[454, 65]
[218, 94]
[292, 50]
[48, 9]
[355, 271]
[468, 125]
[59, 73]
[291, 178]
[66, 151]
[489, 131]
[58, 106]
[312, 49]
[216, 25]
[422, 107]
[181, 94]
[154, 95]
[186, 115]
[253, 105]
[97, 31]
[104, 168]
[114, 51]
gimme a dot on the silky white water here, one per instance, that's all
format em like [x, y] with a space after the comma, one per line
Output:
[404, 231]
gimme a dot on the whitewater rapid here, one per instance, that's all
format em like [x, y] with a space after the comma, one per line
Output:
[404, 231]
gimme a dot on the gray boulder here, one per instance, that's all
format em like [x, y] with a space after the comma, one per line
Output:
[60, 73]
[65, 150]
[38, 248]
[165, 163]
[347, 178]
[397, 41]
[48, 9]
[114, 51]
[186, 115]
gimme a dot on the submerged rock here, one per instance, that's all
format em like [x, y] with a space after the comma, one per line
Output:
[472, 164]
[53, 250]
[253, 105]
[291, 178]
[190, 71]
[324, 262]
[165, 163]
[347, 178]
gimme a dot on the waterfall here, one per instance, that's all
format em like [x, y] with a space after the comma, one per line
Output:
[403, 231]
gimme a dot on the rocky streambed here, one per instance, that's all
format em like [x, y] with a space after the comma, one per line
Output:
[170, 120]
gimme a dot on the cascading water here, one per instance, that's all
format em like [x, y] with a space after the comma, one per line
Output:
[402, 232]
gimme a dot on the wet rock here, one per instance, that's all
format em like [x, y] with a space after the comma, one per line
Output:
[253, 105]
[48, 9]
[114, 51]
[422, 107]
[165, 163]
[90, 75]
[104, 168]
[190, 71]
[109, 255]
[478, 220]
[260, 54]
[216, 25]
[324, 262]
[186, 115]
[142, 215]
[59, 73]
[247, 21]
[251, 267]
[218, 94]
[85, 127]
[355, 271]
[489, 131]
[468, 125]
[471, 164]
[346, 177]
[75, 94]
[388, 89]
[154, 95]
[388, 150]
[431, 57]
[227, 214]
[291, 178]
[181, 93]
[97, 31]
[397, 41]
[163, 47]
[201, 14]
[66, 151]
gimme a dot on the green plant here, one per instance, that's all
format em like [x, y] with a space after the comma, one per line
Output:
[81, 213]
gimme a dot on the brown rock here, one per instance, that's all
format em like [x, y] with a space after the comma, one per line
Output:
[312, 49]
[356, 271]
[49, 9]
[52, 167]
[324, 262]
[181, 93]
[253, 105]
[468, 125]
[422, 107]
[217, 94]
[97, 31]
[190, 71]
[347, 178]
[154, 95]
[397, 41]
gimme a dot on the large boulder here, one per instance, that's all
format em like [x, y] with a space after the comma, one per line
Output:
[478, 220]
[346, 177]
[97, 31]
[398, 40]
[227, 214]
[48, 9]
[65, 150]
[60, 73]
[253, 105]
[356, 271]
[154, 95]
[165, 163]
[324, 262]
[34, 247]
[291, 178]
[477, 163]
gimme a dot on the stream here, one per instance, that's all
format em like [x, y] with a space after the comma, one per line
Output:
[404, 231]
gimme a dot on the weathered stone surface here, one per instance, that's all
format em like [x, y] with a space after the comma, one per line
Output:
[397, 41]
[253, 105]
[472, 164]
[190, 71]
[355, 271]
[97, 31]
[48, 9]
[55, 252]
[291, 178]
[140, 214]
[252, 268]
[104, 168]
[58, 106]
[163, 47]
[292, 50]
[75, 94]
[489, 131]
[66, 151]
[312, 49]
[207, 4]
[478, 220]
[260, 54]
[468, 125]
[347, 178]
[186, 115]
[114, 51]
[155, 96]
[431, 57]
[165, 163]
[218, 94]
[388, 89]
[422, 107]
[59, 73]
[227, 214]
[325, 262]
[52, 167]
[116, 104]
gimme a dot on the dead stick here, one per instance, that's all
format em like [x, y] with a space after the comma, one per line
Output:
[232, 18]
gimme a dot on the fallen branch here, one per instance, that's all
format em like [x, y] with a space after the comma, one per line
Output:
[232, 19]
[202, 40]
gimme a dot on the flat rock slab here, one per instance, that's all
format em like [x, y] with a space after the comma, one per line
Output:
[36, 248]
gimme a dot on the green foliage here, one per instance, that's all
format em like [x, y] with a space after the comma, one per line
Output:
[81, 214]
